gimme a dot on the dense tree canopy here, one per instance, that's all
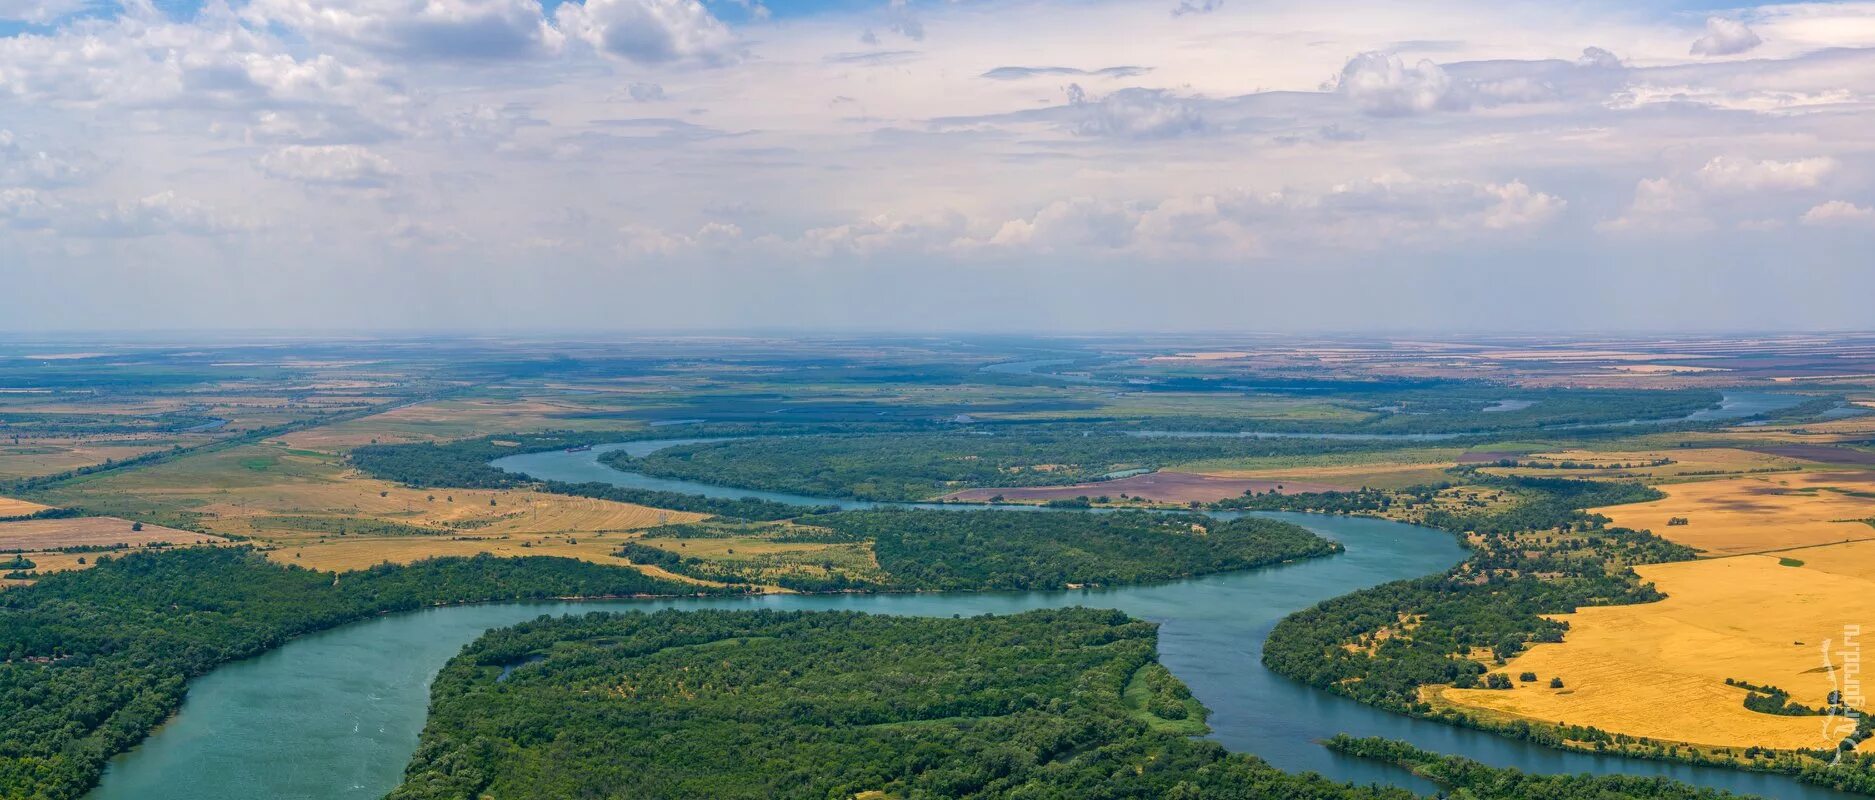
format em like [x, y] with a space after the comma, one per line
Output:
[765, 704]
[91, 661]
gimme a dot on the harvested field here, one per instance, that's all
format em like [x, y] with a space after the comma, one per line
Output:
[449, 419]
[1684, 462]
[1486, 456]
[10, 507]
[36, 457]
[51, 534]
[1759, 513]
[1749, 618]
[1820, 453]
[274, 493]
[1166, 487]
[1347, 477]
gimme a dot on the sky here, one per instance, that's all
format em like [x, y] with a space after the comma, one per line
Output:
[1031, 165]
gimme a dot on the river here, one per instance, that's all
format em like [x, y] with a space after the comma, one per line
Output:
[335, 715]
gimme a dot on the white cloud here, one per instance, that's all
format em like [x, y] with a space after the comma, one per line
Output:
[1725, 37]
[330, 165]
[650, 31]
[24, 166]
[151, 215]
[1599, 58]
[1725, 186]
[1839, 213]
[1196, 7]
[39, 12]
[1134, 114]
[1736, 174]
[1383, 85]
[424, 29]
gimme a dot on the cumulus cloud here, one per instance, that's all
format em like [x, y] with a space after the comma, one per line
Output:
[1725, 186]
[29, 166]
[1839, 213]
[329, 165]
[425, 29]
[1737, 174]
[901, 19]
[885, 233]
[650, 31]
[38, 12]
[1134, 114]
[1725, 37]
[1230, 225]
[1196, 7]
[1382, 85]
[151, 215]
[1599, 58]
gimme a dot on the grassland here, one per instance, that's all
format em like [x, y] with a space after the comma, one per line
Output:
[44, 456]
[1749, 618]
[443, 420]
[309, 509]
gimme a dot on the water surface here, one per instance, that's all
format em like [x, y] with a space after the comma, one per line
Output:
[335, 715]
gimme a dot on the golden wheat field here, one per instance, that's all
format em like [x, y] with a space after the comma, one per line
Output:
[1752, 618]
[1685, 463]
[10, 507]
[1758, 513]
[49, 534]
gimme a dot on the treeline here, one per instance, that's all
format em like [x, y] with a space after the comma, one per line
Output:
[976, 550]
[462, 464]
[1456, 408]
[929, 550]
[912, 467]
[1542, 555]
[92, 660]
[749, 508]
[764, 704]
[1485, 781]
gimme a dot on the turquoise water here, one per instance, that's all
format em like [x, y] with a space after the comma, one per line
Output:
[335, 715]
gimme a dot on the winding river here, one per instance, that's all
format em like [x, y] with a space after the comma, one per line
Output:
[335, 715]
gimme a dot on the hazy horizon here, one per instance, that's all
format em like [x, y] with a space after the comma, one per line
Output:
[1026, 166]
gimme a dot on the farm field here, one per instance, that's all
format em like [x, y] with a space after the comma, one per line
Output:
[10, 507]
[1685, 463]
[443, 420]
[1750, 618]
[51, 534]
[1345, 477]
[338, 519]
[1758, 513]
[35, 457]
[40, 540]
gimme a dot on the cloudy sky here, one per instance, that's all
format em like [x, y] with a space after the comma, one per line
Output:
[936, 164]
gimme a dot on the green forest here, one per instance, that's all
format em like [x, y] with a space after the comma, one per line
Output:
[91, 661]
[767, 704]
[923, 550]
[911, 467]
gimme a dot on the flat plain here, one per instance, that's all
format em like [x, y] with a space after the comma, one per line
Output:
[1758, 513]
[1659, 669]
